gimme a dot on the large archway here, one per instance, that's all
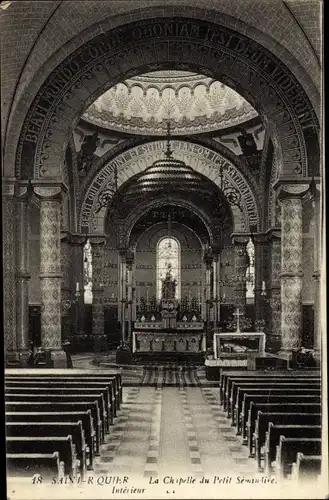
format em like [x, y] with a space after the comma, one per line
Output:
[177, 43]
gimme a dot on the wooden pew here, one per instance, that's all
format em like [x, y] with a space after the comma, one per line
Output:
[268, 398]
[48, 465]
[256, 375]
[266, 381]
[273, 434]
[61, 408]
[287, 449]
[274, 388]
[65, 391]
[72, 373]
[108, 388]
[288, 407]
[44, 429]
[70, 399]
[306, 468]
[46, 445]
[263, 420]
[63, 417]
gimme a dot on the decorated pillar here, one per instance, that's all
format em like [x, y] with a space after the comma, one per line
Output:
[123, 292]
[9, 268]
[129, 263]
[77, 244]
[67, 291]
[273, 318]
[208, 259]
[240, 260]
[22, 275]
[50, 195]
[290, 197]
[97, 248]
[260, 240]
[315, 194]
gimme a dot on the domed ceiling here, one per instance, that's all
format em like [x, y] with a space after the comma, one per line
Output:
[193, 103]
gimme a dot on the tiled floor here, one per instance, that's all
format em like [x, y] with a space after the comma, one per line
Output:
[172, 430]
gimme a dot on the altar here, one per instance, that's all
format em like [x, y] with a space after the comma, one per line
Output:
[174, 342]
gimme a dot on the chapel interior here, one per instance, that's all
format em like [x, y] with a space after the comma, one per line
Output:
[162, 245]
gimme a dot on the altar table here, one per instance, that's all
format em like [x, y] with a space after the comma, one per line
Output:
[185, 342]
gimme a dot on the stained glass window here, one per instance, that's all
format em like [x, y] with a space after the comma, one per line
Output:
[168, 260]
[87, 274]
[250, 277]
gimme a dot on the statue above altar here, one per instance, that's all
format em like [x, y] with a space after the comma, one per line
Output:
[169, 285]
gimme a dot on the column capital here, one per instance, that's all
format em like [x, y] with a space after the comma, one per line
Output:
[292, 191]
[73, 239]
[274, 233]
[23, 190]
[97, 239]
[208, 257]
[240, 238]
[8, 186]
[259, 238]
[49, 191]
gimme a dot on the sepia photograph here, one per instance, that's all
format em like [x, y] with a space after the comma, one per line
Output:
[163, 249]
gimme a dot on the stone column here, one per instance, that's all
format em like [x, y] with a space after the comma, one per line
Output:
[22, 276]
[290, 197]
[97, 248]
[77, 245]
[208, 259]
[317, 275]
[129, 264]
[67, 290]
[50, 195]
[122, 292]
[9, 267]
[259, 241]
[240, 260]
[273, 318]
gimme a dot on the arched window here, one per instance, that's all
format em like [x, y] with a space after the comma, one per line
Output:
[168, 260]
[87, 274]
[250, 276]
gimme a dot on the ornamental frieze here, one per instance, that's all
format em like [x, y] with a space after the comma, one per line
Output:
[193, 45]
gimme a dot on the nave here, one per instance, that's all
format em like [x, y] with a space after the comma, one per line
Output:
[127, 437]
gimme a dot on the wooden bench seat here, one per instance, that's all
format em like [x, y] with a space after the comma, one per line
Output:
[272, 439]
[287, 407]
[263, 420]
[108, 388]
[45, 429]
[48, 465]
[60, 408]
[268, 398]
[301, 389]
[287, 449]
[306, 468]
[71, 373]
[66, 391]
[70, 399]
[234, 384]
[63, 417]
[46, 445]
[244, 375]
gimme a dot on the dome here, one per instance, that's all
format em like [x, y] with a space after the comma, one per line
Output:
[195, 103]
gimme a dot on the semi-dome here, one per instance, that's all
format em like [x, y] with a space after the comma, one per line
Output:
[167, 175]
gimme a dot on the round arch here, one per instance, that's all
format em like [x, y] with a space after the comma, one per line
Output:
[135, 160]
[167, 43]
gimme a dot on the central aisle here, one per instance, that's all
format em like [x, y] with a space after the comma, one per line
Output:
[173, 430]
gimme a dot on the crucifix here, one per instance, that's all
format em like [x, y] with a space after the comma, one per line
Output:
[237, 314]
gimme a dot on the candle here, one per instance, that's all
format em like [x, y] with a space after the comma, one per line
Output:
[263, 285]
[77, 286]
